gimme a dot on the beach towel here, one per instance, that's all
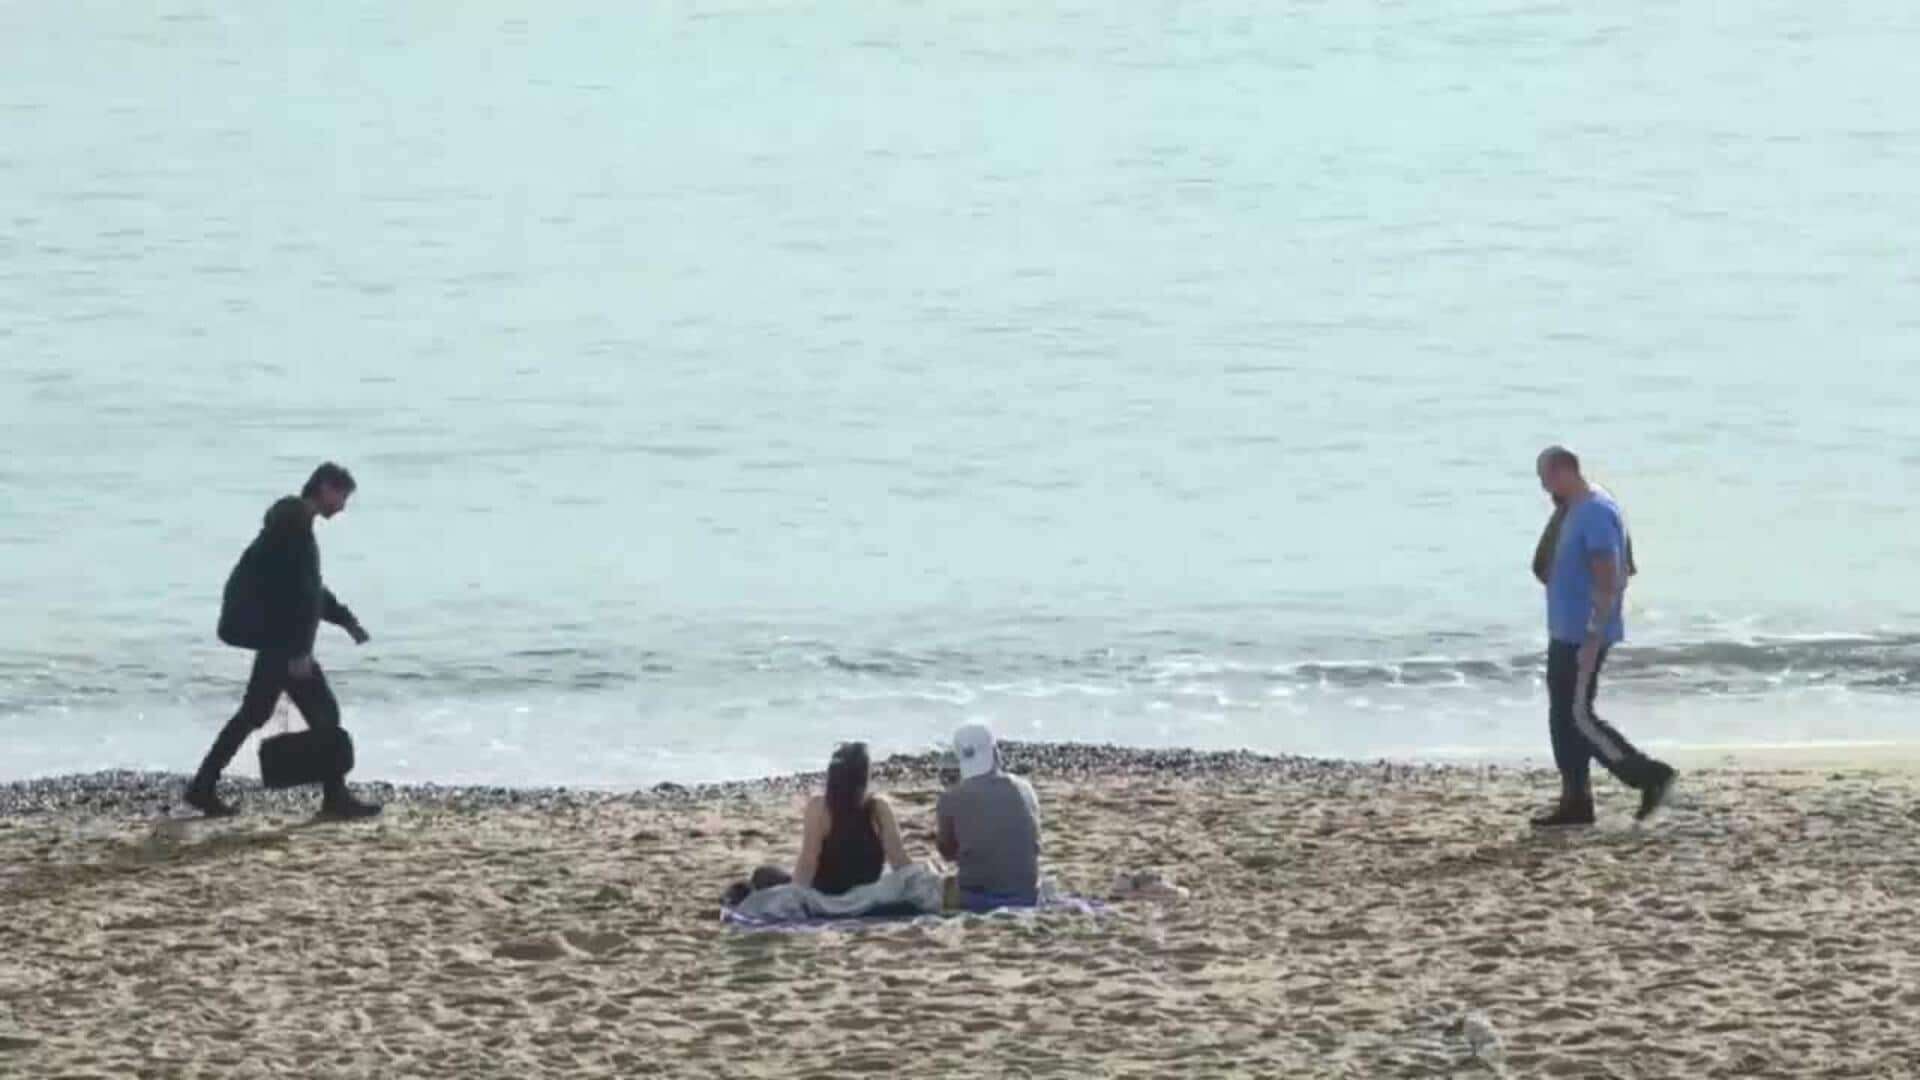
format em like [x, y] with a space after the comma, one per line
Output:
[912, 892]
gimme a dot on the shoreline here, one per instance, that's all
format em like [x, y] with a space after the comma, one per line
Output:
[156, 794]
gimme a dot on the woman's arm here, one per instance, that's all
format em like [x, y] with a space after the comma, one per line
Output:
[813, 830]
[890, 840]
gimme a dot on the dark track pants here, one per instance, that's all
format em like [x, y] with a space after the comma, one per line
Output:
[270, 679]
[1577, 744]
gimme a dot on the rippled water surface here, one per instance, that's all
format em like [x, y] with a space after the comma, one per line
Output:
[725, 380]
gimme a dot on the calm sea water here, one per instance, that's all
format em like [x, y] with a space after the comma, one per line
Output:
[725, 379]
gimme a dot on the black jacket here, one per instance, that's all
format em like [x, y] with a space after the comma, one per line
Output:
[274, 599]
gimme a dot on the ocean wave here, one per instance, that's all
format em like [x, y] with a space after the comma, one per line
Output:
[1237, 671]
[29, 684]
[1855, 661]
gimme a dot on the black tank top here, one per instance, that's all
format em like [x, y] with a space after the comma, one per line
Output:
[850, 855]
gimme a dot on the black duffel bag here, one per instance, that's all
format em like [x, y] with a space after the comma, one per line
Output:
[293, 758]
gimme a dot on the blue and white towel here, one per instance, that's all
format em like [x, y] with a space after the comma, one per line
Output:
[911, 892]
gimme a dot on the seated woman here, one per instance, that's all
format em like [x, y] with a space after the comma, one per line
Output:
[848, 837]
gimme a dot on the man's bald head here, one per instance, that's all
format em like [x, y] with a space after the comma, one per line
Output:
[1559, 470]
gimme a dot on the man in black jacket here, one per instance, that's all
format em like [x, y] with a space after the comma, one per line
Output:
[274, 604]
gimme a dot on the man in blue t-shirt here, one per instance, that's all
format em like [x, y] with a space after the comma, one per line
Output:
[1586, 589]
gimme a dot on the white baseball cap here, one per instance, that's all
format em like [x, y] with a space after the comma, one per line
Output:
[973, 745]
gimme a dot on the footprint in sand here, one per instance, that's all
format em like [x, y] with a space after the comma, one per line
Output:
[594, 944]
[540, 950]
[568, 945]
[17, 1040]
[612, 895]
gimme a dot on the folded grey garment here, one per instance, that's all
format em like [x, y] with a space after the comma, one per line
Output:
[917, 887]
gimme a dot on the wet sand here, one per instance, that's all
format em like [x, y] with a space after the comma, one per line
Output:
[1344, 920]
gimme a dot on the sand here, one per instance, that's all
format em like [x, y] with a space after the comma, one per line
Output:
[1344, 921]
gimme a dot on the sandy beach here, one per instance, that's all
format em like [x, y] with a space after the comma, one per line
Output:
[1344, 920]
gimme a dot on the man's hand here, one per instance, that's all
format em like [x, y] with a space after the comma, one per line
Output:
[301, 667]
[1589, 658]
[1605, 595]
[359, 634]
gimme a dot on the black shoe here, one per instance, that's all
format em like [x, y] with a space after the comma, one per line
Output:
[202, 797]
[1568, 815]
[348, 808]
[1654, 795]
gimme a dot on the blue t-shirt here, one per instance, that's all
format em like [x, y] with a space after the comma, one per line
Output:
[1593, 528]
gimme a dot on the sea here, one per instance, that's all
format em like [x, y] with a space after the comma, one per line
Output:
[729, 378]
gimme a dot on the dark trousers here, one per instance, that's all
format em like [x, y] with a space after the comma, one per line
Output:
[765, 877]
[270, 679]
[1576, 744]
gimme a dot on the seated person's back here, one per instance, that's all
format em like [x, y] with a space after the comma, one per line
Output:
[990, 824]
[851, 854]
[849, 837]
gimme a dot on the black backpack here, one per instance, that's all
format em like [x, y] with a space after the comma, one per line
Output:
[243, 605]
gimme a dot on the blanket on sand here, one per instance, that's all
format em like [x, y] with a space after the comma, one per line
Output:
[910, 892]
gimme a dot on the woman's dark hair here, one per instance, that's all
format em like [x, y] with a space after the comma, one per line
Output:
[847, 782]
[328, 475]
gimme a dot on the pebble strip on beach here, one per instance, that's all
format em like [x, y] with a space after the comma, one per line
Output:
[128, 793]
